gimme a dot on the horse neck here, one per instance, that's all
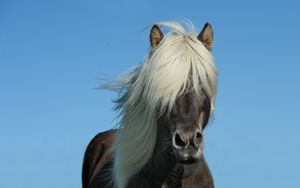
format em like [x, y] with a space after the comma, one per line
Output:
[159, 166]
[154, 173]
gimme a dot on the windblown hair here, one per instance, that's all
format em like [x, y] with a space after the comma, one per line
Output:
[179, 62]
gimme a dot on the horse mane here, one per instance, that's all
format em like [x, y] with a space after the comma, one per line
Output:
[178, 62]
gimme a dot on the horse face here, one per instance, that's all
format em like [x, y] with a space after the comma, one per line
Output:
[187, 120]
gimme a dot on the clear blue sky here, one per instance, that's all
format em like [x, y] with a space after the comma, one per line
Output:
[52, 54]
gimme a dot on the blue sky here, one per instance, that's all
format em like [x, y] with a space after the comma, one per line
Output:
[53, 53]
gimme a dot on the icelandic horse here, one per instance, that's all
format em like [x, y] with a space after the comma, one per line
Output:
[164, 106]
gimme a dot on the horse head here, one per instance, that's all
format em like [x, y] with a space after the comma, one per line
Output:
[185, 122]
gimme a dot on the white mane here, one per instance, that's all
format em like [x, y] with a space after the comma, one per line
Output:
[179, 59]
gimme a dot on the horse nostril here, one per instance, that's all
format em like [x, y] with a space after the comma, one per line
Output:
[198, 137]
[178, 141]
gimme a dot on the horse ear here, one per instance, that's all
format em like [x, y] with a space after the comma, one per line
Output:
[155, 36]
[206, 36]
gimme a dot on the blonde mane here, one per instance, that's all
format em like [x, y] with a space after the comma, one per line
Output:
[179, 61]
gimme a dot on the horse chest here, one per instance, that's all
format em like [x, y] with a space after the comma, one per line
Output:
[190, 176]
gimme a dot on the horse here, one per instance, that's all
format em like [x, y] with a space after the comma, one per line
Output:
[164, 106]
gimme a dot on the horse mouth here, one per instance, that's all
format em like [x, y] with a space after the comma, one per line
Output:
[188, 156]
[189, 161]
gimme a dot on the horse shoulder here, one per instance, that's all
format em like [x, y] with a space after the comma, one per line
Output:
[98, 153]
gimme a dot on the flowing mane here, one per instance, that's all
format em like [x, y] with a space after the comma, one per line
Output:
[179, 62]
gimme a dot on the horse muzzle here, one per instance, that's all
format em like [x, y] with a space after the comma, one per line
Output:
[188, 146]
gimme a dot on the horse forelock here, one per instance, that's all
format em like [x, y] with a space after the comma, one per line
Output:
[179, 62]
